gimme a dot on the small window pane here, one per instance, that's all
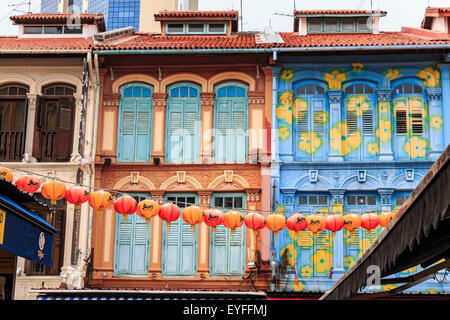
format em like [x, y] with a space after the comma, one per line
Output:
[137, 91]
[53, 29]
[19, 119]
[175, 92]
[196, 28]
[32, 30]
[222, 92]
[231, 91]
[314, 24]
[399, 200]
[4, 91]
[190, 201]
[68, 91]
[184, 92]
[238, 202]
[417, 89]
[302, 200]
[73, 29]
[193, 92]
[371, 200]
[331, 25]
[398, 89]
[368, 89]
[312, 200]
[128, 92]
[310, 89]
[22, 91]
[216, 28]
[218, 202]
[228, 202]
[320, 90]
[364, 24]
[146, 92]
[240, 92]
[323, 200]
[348, 25]
[181, 202]
[50, 91]
[349, 90]
[407, 87]
[351, 200]
[361, 200]
[13, 91]
[59, 91]
[301, 90]
[359, 88]
[175, 28]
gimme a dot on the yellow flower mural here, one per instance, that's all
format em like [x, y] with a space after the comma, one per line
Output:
[286, 98]
[384, 130]
[285, 112]
[322, 260]
[349, 237]
[321, 118]
[305, 239]
[342, 140]
[416, 147]
[392, 74]
[291, 254]
[430, 76]
[436, 122]
[299, 286]
[306, 272]
[287, 75]
[410, 270]
[373, 148]
[310, 141]
[358, 104]
[387, 287]
[349, 261]
[283, 133]
[335, 79]
[357, 66]
[384, 107]
[364, 244]
[300, 107]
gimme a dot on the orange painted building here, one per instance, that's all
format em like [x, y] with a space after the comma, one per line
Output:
[189, 126]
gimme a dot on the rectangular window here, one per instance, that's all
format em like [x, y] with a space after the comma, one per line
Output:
[364, 24]
[175, 28]
[196, 28]
[399, 200]
[351, 200]
[53, 29]
[323, 200]
[348, 25]
[361, 200]
[32, 30]
[331, 25]
[372, 200]
[302, 200]
[400, 118]
[73, 29]
[313, 200]
[216, 28]
[314, 25]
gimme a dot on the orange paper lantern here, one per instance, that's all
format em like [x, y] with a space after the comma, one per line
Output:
[6, 174]
[276, 222]
[385, 218]
[100, 200]
[370, 221]
[53, 190]
[147, 209]
[297, 222]
[29, 184]
[255, 221]
[125, 205]
[192, 215]
[352, 222]
[334, 223]
[316, 224]
[233, 220]
[169, 213]
[213, 218]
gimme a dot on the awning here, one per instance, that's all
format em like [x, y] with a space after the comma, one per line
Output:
[418, 235]
[161, 295]
[22, 232]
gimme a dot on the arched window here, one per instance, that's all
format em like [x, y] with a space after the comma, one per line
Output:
[360, 118]
[134, 143]
[183, 123]
[55, 113]
[230, 122]
[311, 121]
[13, 113]
[410, 112]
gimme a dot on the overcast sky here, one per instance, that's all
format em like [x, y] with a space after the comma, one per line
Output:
[258, 14]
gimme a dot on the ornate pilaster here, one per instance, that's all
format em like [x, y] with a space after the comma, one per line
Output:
[386, 198]
[154, 270]
[384, 114]
[204, 198]
[436, 122]
[159, 125]
[75, 156]
[207, 127]
[31, 115]
[335, 100]
[257, 144]
[338, 242]
[288, 198]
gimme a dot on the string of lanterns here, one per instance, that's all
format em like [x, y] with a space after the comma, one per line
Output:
[193, 215]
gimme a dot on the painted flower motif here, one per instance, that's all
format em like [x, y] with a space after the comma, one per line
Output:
[373, 148]
[287, 75]
[430, 76]
[283, 133]
[384, 130]
[284, 112]
[349, 261]
[364, 244]
[321, 118]
[306, 271]
[349, 237]
[416, 147]
[322, 260]
[305, 239]
[286, 98]
[384, 107]
[281, 207]
[436, 122]
[299, 286]
[335, 79]
[358, 104]
[291, 254]
[392, 74]
[410, 270]
[324, 239]
[433, 291]
[309, 141]
[301, 108]
[357, 66]
[344, 141]
[387, 287]
[338, 208]
[416, 103]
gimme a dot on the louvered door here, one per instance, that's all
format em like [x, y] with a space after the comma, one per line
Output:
[64, 129]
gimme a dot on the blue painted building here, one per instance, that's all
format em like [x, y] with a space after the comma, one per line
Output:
[359, 116]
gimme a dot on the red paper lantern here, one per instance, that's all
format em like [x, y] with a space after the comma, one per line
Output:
[334, 223]
[297, 222]
[255, 221]
[29, 184]
[370, 221]
[276, 222]
[385, 218]
[77, 195]
[169, 213]
[125, 205]
[213, 218]
[316, 224]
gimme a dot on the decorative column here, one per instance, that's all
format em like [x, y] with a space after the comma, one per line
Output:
[386, 198]
[384, 114]
[338, 241]
[204, 198]
[445, 76]
[274, 135]
[252, 241]
[207, 127]
[288, 198]
[108, 124]
[436, 122]
[76, 129]
[159, 125]
[285, 134]
[154, 270]
[29, 134]
[334, 99]
[256, 137]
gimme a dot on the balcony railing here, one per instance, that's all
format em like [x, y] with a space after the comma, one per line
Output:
[12, 146]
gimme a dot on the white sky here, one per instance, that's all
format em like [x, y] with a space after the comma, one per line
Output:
[258, 14]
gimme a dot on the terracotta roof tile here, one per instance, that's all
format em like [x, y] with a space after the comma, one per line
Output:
[60, 18]
[14, 43]
[337, 12]
[167, 14]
